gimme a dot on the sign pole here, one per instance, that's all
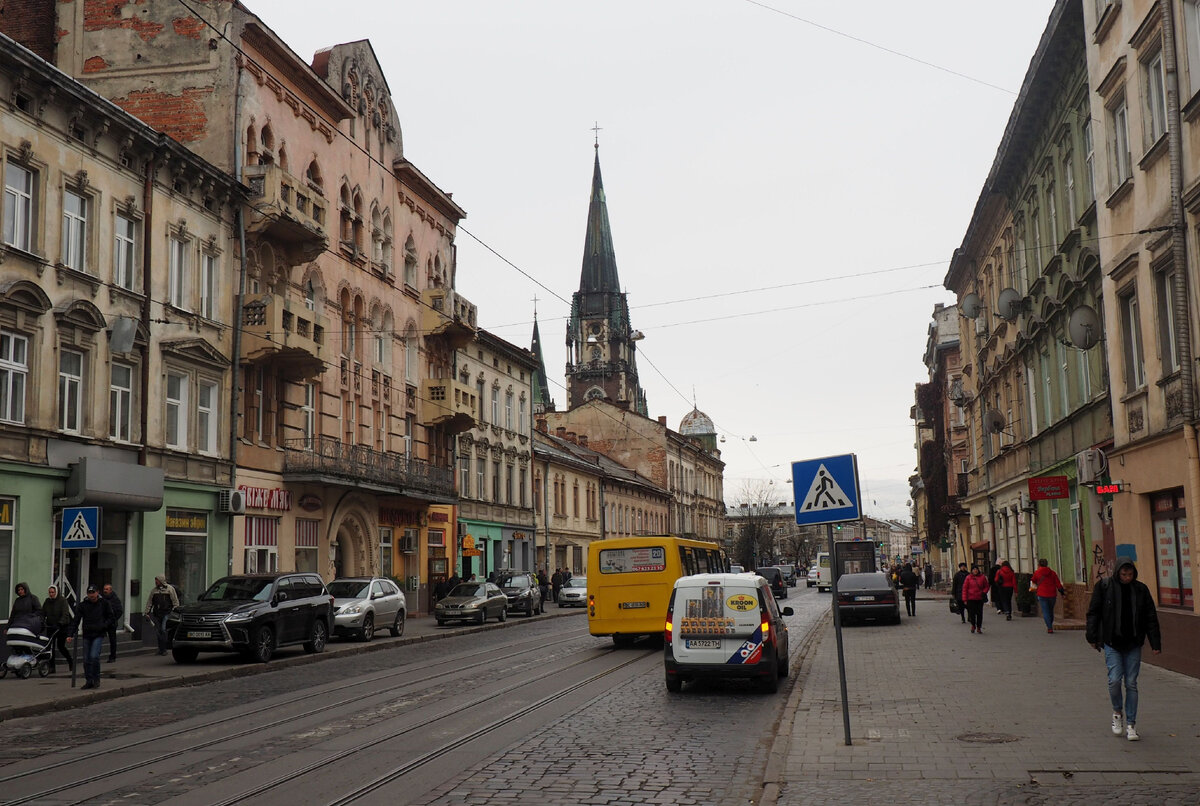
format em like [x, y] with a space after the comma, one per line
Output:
[837, 630]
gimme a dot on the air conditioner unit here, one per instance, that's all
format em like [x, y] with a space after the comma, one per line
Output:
[408, 543]
[1090, 465]
[231, 502]
[1026, 504]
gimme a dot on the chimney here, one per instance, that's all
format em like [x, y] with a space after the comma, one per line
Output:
[570, 437]
[583, 440]
[541, 425]
[561, 432]
[662, 419]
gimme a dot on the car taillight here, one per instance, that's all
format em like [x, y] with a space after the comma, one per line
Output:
[668, 627]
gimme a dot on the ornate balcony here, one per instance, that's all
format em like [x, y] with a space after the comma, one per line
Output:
[276, 330]
[448, 314]
[448, 403]
[330, 461]
[287, 210]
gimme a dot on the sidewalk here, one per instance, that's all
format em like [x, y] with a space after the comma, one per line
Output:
[139, 669]
[938, 715]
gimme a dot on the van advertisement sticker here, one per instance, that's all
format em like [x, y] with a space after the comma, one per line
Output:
[741, 603]
[750, 651]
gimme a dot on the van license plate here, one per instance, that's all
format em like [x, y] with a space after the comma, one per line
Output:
[199, 634]
[633, 605]
[702, 644]
[864, 598]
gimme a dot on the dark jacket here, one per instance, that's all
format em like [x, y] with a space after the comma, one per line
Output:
[1104, 613]
[96, 617]
[57, 612]
[23, 605]
[956, 589]
[908, 578]
[114, 602]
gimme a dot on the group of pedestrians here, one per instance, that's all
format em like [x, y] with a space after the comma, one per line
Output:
[1121, 618]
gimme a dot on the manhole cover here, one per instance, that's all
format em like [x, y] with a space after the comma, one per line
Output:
[988, 738]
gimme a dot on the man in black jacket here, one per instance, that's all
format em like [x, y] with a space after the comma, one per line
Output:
[58, 617]
[1120, 617]
[956, 590]
[96, 616]
[114, 602]
[908, 584]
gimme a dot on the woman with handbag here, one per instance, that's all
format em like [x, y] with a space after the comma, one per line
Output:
[1047, 585]
[974, 594]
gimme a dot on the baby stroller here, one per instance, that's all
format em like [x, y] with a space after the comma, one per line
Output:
[29, 647]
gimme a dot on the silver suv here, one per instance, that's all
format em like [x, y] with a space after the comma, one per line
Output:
[521, 588]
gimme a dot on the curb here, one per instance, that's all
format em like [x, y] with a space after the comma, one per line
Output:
[78, 698]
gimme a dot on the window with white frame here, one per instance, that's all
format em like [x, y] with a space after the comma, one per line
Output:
[1068, 167]
[1155, 97]
[385, 552]
[70, 391]
[496, 478]
[207, 417]
[208, 285]
[1120, 163]
[1166, 280]
[508, 410]
[262, 545]
[1035, 232]
[410, 358]
[1064, 396]
[1051, 207]
[480, 476]
[521, 421]
[74, 230]
[1031, 401]
[1131, 342]
[1084, 367]
[495, 405]
[177, 267]
[175, 427]
[14, 372]
[19, 186]
[120, 402]
[1047, 388]
[308, 531]
[1089, 154]
[124, 252]
[308, 415]
[464, 476]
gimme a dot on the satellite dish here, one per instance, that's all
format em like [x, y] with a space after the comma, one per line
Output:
[970, 305]
[1083, 327]
[993, 421]
[1009, 304]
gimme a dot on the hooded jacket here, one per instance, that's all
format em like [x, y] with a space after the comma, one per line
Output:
[1104, 613]
[24, 605]
[57, 611]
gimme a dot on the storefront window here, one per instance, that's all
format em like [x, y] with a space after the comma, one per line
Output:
[262, 545]
[307, 534]
[385, 551]
[186, 553]
[8, 508]
[1171, 550]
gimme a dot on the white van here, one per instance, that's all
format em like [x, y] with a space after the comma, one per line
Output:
[824, 571]
[725, 625]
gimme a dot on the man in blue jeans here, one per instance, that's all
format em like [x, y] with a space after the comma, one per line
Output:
[96, 616]
[1120, 618]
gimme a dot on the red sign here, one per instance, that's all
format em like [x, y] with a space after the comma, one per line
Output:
[1046, 488]
[264, 498]
[1108, 489]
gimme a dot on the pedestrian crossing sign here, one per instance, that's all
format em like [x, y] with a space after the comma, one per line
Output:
[80, 528]
[830, 490]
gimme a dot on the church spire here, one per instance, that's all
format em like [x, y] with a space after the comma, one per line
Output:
[542, 402]
[599, 257]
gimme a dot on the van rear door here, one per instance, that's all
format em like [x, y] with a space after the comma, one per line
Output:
[714, 622]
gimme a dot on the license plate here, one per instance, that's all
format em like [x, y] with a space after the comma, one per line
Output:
[633, 605]
[697, 643]
[199, 634]
[864, 598]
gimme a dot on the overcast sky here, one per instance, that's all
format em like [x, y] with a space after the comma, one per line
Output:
[786, 183]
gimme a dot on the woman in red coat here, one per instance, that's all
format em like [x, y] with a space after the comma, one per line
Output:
[974, 594]
[1006, 582]
[1048, 588]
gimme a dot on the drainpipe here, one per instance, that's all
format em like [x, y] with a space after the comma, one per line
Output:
[235, 397]
[1183, 326]
[147, 254]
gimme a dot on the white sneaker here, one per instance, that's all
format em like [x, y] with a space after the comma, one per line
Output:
[1131, 733]
[1118, 724]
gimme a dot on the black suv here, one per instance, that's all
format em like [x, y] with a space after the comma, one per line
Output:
[521, 588]
[775, 577]
[253, 614]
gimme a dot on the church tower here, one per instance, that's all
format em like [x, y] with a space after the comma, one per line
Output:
[601, 345]
[542, 402]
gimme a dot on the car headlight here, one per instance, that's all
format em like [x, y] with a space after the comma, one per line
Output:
[239, 618]
[352, 608]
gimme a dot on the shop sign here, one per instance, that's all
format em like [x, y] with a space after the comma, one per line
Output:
[520, 536]
[1049, 488]
[6, 512]
[263, 498]
[309, 502]
[398, 517]
[182, 520]
[472, 552]
[468, 542]
[438, 517]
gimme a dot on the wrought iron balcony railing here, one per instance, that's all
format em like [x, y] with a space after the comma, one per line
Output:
[357, 465]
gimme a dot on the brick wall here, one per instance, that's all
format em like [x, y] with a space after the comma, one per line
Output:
[32, 23]
[179, 116]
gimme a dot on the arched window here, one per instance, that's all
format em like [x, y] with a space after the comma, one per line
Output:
[376, 235]
[358, 223]
[347, 215]
[410, 262]
[283, 157]
[313, 177]
[267, 140]
[387, 243]
[251, 145]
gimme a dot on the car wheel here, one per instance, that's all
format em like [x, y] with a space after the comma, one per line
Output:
[319, 637]
[398, 625]
[674, 684]
[441, 622]
[185, 654]
[560, 604]
[783, 666]
[368, 628]
[483, 615]
[530, 609]
[503, 615]
[263, 645]
[770, 683]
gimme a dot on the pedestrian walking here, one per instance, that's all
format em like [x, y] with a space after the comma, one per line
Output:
[159, 604]
[1047, 586]
[1120, 618]
[974, 594]
[544, 584]
[956, 590]
[916, 569]
[928, 576]
[994, 587]
[109, 595]
[1006, 581]
[908, 584]
[556, 582]
[96, 616]
[25, 603]
[58, 615]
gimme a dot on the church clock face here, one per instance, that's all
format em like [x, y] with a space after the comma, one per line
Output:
[595, 329]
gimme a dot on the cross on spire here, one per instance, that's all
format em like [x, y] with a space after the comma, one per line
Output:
[596, 131]
[535, 302]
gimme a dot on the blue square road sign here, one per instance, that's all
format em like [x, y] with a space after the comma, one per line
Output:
[80, 528]
[826, 490]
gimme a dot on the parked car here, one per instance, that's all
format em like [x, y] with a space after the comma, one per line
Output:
[775, 577]
[814, 574]
[722, 626]
[573, 593]
[869, 596]
[364, 604]
[254, 614]
[521, 588]
[472, 601]
[789, 573]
